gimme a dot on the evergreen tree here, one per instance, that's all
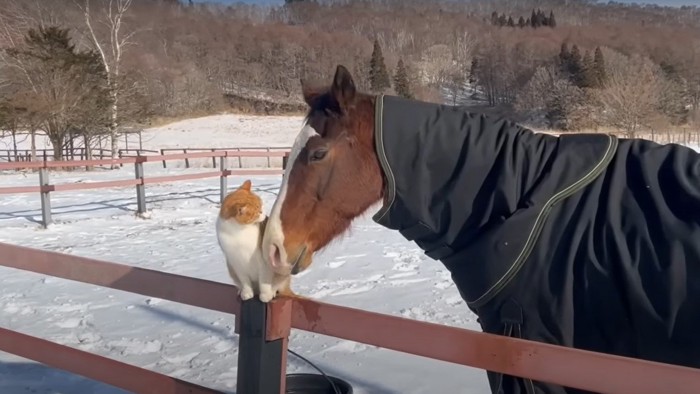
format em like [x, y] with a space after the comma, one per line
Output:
[576, 66]
[473, 70]
[502, 21]
[494, 18]
[587, 77]
[564, 58]
[511, 23]
[528, 22]
[378, 75]
[533, 19]
[544, 21]
[521, 22]
[65, 87]
[401, 83]
[600, 76]
[552, 21]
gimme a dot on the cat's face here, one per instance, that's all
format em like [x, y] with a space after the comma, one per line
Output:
[243, 205]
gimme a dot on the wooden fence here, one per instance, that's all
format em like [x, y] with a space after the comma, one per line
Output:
[140, 181]
[25, 155]
[264, 331]
[80, 154]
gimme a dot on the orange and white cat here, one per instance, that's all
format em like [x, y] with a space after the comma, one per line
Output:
[239, 229]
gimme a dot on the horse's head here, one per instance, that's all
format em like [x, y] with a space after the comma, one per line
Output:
[333, 175]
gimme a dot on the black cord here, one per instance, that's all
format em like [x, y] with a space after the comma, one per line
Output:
[335, 389]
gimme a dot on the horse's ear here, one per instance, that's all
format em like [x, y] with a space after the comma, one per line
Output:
[343, 88]
[310, 91]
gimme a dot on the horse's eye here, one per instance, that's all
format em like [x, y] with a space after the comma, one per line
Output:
[318, 154]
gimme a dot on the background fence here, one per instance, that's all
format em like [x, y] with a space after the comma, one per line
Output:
[680, 136]
[45, 187]
[79, 154]
[264, 330]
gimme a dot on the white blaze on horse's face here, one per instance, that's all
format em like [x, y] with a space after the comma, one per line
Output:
[273, 239]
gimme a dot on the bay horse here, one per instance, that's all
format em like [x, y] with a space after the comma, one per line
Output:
[585, 241]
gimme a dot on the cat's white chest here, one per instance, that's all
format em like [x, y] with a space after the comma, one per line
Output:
[238, 242]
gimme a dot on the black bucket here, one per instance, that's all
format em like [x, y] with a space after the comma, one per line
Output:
[308, 383]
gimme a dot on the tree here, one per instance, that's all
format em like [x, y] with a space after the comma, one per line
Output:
[473, 70]
[587, 72]
[575, 66]
[111, 52]
[551, 94]
[564, 59]
[599, 73]
[552, 21]
[401, 81]
[10, 121]
[510, 22]
[378, 74]
[521, 22]
[65, 86]
[631, 97]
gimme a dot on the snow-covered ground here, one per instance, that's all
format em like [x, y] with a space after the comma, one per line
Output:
[373, 269]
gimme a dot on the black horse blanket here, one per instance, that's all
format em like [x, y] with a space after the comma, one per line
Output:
[586, 241]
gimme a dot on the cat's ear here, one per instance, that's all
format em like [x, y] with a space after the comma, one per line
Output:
[246, 185]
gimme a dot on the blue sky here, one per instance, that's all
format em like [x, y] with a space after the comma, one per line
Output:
[660, 2]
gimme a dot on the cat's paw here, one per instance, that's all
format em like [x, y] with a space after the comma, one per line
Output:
[267, 296]
[247, 293]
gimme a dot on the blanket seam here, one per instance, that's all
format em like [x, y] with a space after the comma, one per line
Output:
[563, 194]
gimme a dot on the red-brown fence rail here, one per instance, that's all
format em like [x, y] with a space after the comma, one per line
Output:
[44, 186]
[264, 330]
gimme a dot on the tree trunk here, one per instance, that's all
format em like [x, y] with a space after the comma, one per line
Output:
[32, 135]
[88, 151]
[113, 127]
[57, 144]
[14, 142]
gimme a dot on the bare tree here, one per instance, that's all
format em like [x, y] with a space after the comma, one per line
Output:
[631, 96]
[111, 52]
[551, 95]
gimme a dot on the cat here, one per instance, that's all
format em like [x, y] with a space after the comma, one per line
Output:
[239, 229]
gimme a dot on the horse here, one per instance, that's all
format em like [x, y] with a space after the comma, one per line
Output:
[587, 241]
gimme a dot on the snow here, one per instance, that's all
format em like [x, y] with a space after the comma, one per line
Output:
[372, 268]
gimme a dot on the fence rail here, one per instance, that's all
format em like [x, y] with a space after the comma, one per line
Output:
[264, 331]
[45, 155]
[44, 187]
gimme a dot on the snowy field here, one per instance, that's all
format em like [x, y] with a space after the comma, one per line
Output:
[372, 269]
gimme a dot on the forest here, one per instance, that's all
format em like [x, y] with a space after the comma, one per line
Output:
[86, 70]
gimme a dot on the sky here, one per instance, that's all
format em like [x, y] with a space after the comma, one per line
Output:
[675, 3]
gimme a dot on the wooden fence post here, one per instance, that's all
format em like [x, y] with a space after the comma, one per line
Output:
[285, 160]
[261, 363]
[45, 197]
[213, 159]
[223, 181]
[162, 153]
[140, 187]
[187, 160]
